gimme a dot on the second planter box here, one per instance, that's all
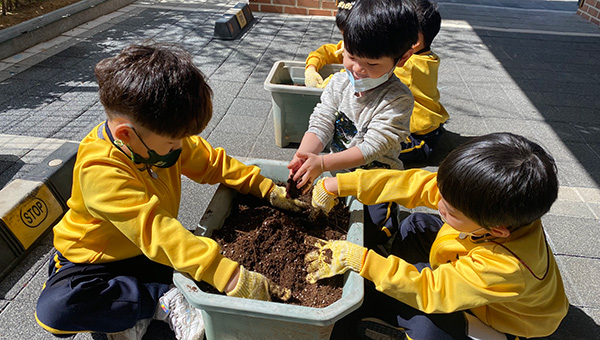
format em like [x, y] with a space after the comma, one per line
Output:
[292, 101]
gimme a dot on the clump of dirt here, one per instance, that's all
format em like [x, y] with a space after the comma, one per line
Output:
[291, 187]
[272, 242]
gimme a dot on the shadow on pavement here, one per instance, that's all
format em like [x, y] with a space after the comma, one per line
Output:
[9, 166]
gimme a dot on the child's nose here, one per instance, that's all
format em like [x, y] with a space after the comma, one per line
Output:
[358, 69]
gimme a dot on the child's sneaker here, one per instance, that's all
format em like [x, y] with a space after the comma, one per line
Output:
[185, 320]
[376, 329]
[134, 333]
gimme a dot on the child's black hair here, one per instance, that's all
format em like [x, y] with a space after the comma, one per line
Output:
[500, 179]
[158, 87]
[343, 10]
[430, 20]
[381, 28]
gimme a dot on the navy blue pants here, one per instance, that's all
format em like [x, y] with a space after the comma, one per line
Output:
[104, 298]
[412, 243]
[380, 223]
[418, 148]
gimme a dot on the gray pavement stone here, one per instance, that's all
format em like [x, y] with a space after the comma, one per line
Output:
[579, 284]
[574, 174]
[17, 321]
[249, 107]
[566, 231]
[527, 66]
[236, 144]
[254, 91]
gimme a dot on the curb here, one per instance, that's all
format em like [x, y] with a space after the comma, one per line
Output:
[20, 37]
[29, 207]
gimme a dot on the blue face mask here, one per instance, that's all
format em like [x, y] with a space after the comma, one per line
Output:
[366, 84]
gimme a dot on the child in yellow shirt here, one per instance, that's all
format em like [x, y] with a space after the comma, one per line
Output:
[120, 240]
[482, 270]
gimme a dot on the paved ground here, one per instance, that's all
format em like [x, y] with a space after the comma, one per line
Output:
[524, 66]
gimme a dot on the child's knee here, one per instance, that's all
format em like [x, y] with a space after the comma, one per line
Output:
[419, 222]
[51, 319]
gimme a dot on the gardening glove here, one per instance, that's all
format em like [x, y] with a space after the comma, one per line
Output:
[253, 285]
[322, 199]
[333, 258]
[278, 198]
[312, 78]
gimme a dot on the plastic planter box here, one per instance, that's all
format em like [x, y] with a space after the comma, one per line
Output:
[292, 101]
[228, 318]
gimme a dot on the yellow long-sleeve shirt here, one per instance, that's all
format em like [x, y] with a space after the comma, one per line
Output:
[117, 211]
[478, 275]
[419, 73]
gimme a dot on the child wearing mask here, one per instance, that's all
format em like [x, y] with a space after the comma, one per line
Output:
[120, 240]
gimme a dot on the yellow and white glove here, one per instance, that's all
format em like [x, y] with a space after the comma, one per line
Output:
[253, 285]
[312, 78]
[333, 258]
[278, 198]
[323, 199]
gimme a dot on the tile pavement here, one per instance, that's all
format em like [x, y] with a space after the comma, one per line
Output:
[524, 66]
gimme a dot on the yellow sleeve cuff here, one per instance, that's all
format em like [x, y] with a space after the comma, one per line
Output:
[373, 268]
[219, 272]
[347, 184]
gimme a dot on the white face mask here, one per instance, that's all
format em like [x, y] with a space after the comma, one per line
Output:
[366, 84]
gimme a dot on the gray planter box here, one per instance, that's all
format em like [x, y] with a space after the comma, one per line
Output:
[235, 318]
[293, 102]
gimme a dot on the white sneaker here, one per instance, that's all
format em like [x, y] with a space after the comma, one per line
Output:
[185, 320]
[134, 333]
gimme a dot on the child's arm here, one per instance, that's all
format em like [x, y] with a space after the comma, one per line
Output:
[476, 279]
[326, 54]
[314, 165]
[409, 188]
[203, 164]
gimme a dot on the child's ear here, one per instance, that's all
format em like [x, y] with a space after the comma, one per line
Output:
[405, 57]
[420, 42]
[122, 132]
[501, 232]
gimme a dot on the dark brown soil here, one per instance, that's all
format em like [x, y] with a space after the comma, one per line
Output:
[272, 242]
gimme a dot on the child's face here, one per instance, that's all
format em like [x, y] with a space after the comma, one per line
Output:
[457, 220]
[366, 67]
[160, 144]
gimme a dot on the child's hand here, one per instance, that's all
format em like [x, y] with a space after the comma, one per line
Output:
[312, 78]
[312, 167]
[295, 164]
[253, 285]
[323, 199]
[333, 258]
[278, 198]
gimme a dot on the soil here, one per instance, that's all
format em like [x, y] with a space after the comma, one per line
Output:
[274, 242]
[29, 9]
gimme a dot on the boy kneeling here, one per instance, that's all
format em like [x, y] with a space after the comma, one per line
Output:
[486, 260]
